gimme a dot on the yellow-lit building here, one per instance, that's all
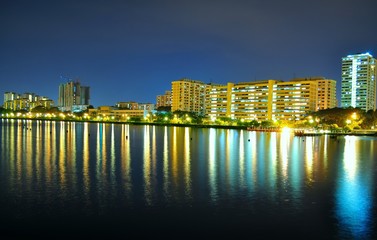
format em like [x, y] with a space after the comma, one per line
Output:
[164, 100]
[270, 99]
[326, 92]
[216, 101]
[188, 95]
[17, 104]
[107, 112]
[25, 101]
[44, 102]
[292, 100]
[250, 100]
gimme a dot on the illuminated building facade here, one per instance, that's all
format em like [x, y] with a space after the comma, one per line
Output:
[9, 96]
[127, 105]
[326, 93]
[216, 100]
[359, 81]
[72, 93]
[110, 113]
[25, 101]
[270, 99]
[164, 100]
[188, 95]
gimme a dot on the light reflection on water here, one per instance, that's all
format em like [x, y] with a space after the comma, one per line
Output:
[98, 166]
[354, 191]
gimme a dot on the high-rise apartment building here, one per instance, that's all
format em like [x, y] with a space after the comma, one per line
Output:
[188, 95]
[216, 100]
[164, 100]
[359, 81]
[270, 99]
[73, 94]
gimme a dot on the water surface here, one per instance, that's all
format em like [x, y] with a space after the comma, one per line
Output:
[92, 179]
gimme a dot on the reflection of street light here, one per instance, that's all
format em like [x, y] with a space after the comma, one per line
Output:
[354, 116]
[348, 121]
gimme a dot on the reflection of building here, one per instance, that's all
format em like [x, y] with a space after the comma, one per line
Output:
[25, 101]
[359, 81]
[270, 99]
[164, 100]
[72, 93]
[188, 95]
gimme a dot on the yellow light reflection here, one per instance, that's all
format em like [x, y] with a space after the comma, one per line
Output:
[85, 153]
[104, 150]
[99, 149]
[166, 162]
[62, 156]
[212, 172]
[154, 152]
[38, 152]
[187, 160]
[284, 147]
[71, 149]
[174, 162]
[147, 167]
[29, 151]
[112, 155]
[47, 151]
[126, 156]
[309, 157]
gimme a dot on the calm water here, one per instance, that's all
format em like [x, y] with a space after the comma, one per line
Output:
[62, 179]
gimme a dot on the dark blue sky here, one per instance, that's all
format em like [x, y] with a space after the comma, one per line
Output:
[133, 50]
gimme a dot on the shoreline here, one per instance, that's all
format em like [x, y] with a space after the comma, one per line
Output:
[135, 123]
[309, 134]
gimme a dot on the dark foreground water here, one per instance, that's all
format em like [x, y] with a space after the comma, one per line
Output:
[88, 180]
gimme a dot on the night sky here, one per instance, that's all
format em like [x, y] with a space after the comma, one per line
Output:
[133, 50]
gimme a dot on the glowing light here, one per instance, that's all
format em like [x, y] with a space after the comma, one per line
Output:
[286, 130]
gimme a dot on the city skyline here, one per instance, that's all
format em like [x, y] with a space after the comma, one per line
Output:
[133, 50]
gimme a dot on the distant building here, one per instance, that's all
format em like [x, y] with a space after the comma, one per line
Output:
[73, 94]
[164, 100]
[359, 81]
[127, 105]
[25, 101]
[110, 113]
[146, 106]
[188, 95]
[9, 96]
